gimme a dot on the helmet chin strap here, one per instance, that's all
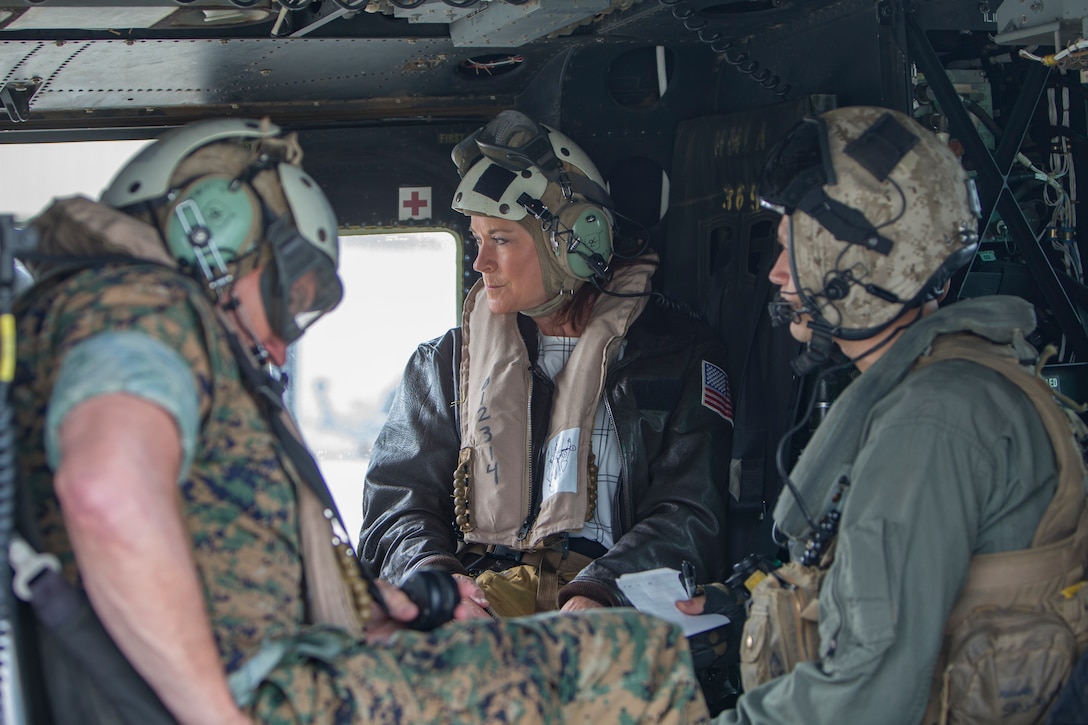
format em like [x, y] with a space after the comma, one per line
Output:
[233, 304]
[817, 352]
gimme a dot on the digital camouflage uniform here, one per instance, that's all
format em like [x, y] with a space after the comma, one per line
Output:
[240, 506]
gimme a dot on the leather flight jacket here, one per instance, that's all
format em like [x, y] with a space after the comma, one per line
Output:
[671, 500]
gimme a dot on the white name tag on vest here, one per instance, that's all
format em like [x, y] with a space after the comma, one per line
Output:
[561, 463]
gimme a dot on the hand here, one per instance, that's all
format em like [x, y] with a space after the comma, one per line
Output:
[718, 599]
[384, 621]
[581, 604]
[692, 606]
[473, 604]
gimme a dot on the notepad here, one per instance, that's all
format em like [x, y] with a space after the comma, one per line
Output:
[656, 592]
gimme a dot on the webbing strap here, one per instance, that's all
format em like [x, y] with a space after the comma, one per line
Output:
[555, 564]
[327, 592]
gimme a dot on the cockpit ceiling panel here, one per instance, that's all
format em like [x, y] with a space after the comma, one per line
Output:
[149, 73]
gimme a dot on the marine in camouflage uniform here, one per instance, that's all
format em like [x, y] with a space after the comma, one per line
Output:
[132, 328]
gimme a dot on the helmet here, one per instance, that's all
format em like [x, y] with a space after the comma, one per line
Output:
[228, 195]
[515, 168]
[887, 214]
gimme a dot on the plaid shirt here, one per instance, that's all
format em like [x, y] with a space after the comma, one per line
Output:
[553, 353]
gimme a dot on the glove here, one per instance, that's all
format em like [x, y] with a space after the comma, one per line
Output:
[727, 600]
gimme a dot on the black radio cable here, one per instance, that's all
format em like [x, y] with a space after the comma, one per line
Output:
[736, 58]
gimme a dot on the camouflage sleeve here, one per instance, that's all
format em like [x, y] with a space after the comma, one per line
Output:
[129, 362]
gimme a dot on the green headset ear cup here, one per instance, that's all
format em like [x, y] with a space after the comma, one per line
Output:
[593, 226]
[232, 217]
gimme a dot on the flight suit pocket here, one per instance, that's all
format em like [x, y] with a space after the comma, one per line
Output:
[859, 623]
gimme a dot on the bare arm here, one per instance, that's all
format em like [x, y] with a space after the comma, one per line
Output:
[117, 485]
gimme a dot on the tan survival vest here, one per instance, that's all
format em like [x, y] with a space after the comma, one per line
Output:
[1022, 619]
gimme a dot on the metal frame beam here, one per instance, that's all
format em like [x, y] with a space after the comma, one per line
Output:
[993, 172]
[894, 65]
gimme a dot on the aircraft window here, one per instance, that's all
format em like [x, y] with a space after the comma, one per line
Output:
[399, 290]
[36, 173]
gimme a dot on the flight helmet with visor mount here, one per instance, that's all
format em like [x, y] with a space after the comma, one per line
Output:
[881, 215]
[517, 169]
[235, 198]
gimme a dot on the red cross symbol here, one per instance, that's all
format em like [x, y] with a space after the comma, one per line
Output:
[414, 203]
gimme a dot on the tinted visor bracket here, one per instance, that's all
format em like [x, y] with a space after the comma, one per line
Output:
[264, 162]
[797, 164]
[548, 222]
[536, 208]
[293, 259]
[536, 152]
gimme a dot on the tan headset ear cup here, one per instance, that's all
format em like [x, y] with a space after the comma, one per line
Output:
[592, 225]
[232, 215]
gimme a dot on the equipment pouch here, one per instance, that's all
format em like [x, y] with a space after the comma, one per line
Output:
[511, 592]
[782, 628]
[1006, 665]
[533, 585]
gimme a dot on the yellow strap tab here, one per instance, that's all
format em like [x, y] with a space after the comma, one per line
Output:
[1071, 591]
[7, 347]
[751, 582]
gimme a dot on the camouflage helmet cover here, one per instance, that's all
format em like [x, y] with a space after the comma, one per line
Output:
[920, 214]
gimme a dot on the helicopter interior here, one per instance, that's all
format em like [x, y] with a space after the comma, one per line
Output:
[677, 101]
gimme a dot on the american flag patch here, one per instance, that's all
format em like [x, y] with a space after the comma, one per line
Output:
[716, 391]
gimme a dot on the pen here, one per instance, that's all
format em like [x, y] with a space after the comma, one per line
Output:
[687, 578]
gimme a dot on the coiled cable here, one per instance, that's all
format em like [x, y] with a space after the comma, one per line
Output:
[736, 58]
